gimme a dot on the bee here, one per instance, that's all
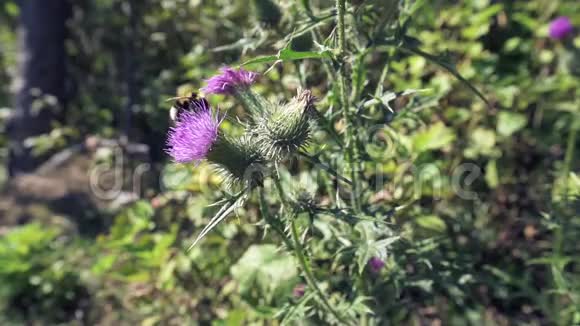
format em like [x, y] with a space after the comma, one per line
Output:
[182, 103]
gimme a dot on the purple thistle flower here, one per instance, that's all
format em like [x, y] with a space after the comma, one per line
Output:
[194, 133]
[376, 264]
[560, 27]
[229, 80]
[299, 290]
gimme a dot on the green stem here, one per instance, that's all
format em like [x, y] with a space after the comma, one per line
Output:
[569, 157]
[280, 192]
[299, 250]
[327, 168]
[357, 75]
[351, 154]
[308, 273]
[252, 102]
[273, 223]
[301, 77]
[559, 235]
[340, 5]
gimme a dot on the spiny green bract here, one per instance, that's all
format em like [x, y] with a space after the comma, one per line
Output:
[285, 129]
[304, 201]
[253, 102]
[238, 161]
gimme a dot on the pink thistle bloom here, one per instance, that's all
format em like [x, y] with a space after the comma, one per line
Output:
[376, 264]
[299, 290]
[195, 131]
[560, 27]
[229, 80]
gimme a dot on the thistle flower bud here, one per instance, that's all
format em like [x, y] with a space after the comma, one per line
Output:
[196, 136]
[267, 12]
[304, 201]
[376, 265]
[239, 161]
[285, 129]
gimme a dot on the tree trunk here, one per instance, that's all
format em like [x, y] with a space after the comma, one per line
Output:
[40, 83]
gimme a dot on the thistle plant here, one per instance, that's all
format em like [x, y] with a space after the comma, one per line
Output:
[256, 162]
[344, 173]
[274, 133]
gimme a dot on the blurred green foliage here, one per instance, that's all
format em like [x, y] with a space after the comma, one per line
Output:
[508, 255]
[37, 279]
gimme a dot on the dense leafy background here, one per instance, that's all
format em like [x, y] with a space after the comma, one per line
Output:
[508, 255]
